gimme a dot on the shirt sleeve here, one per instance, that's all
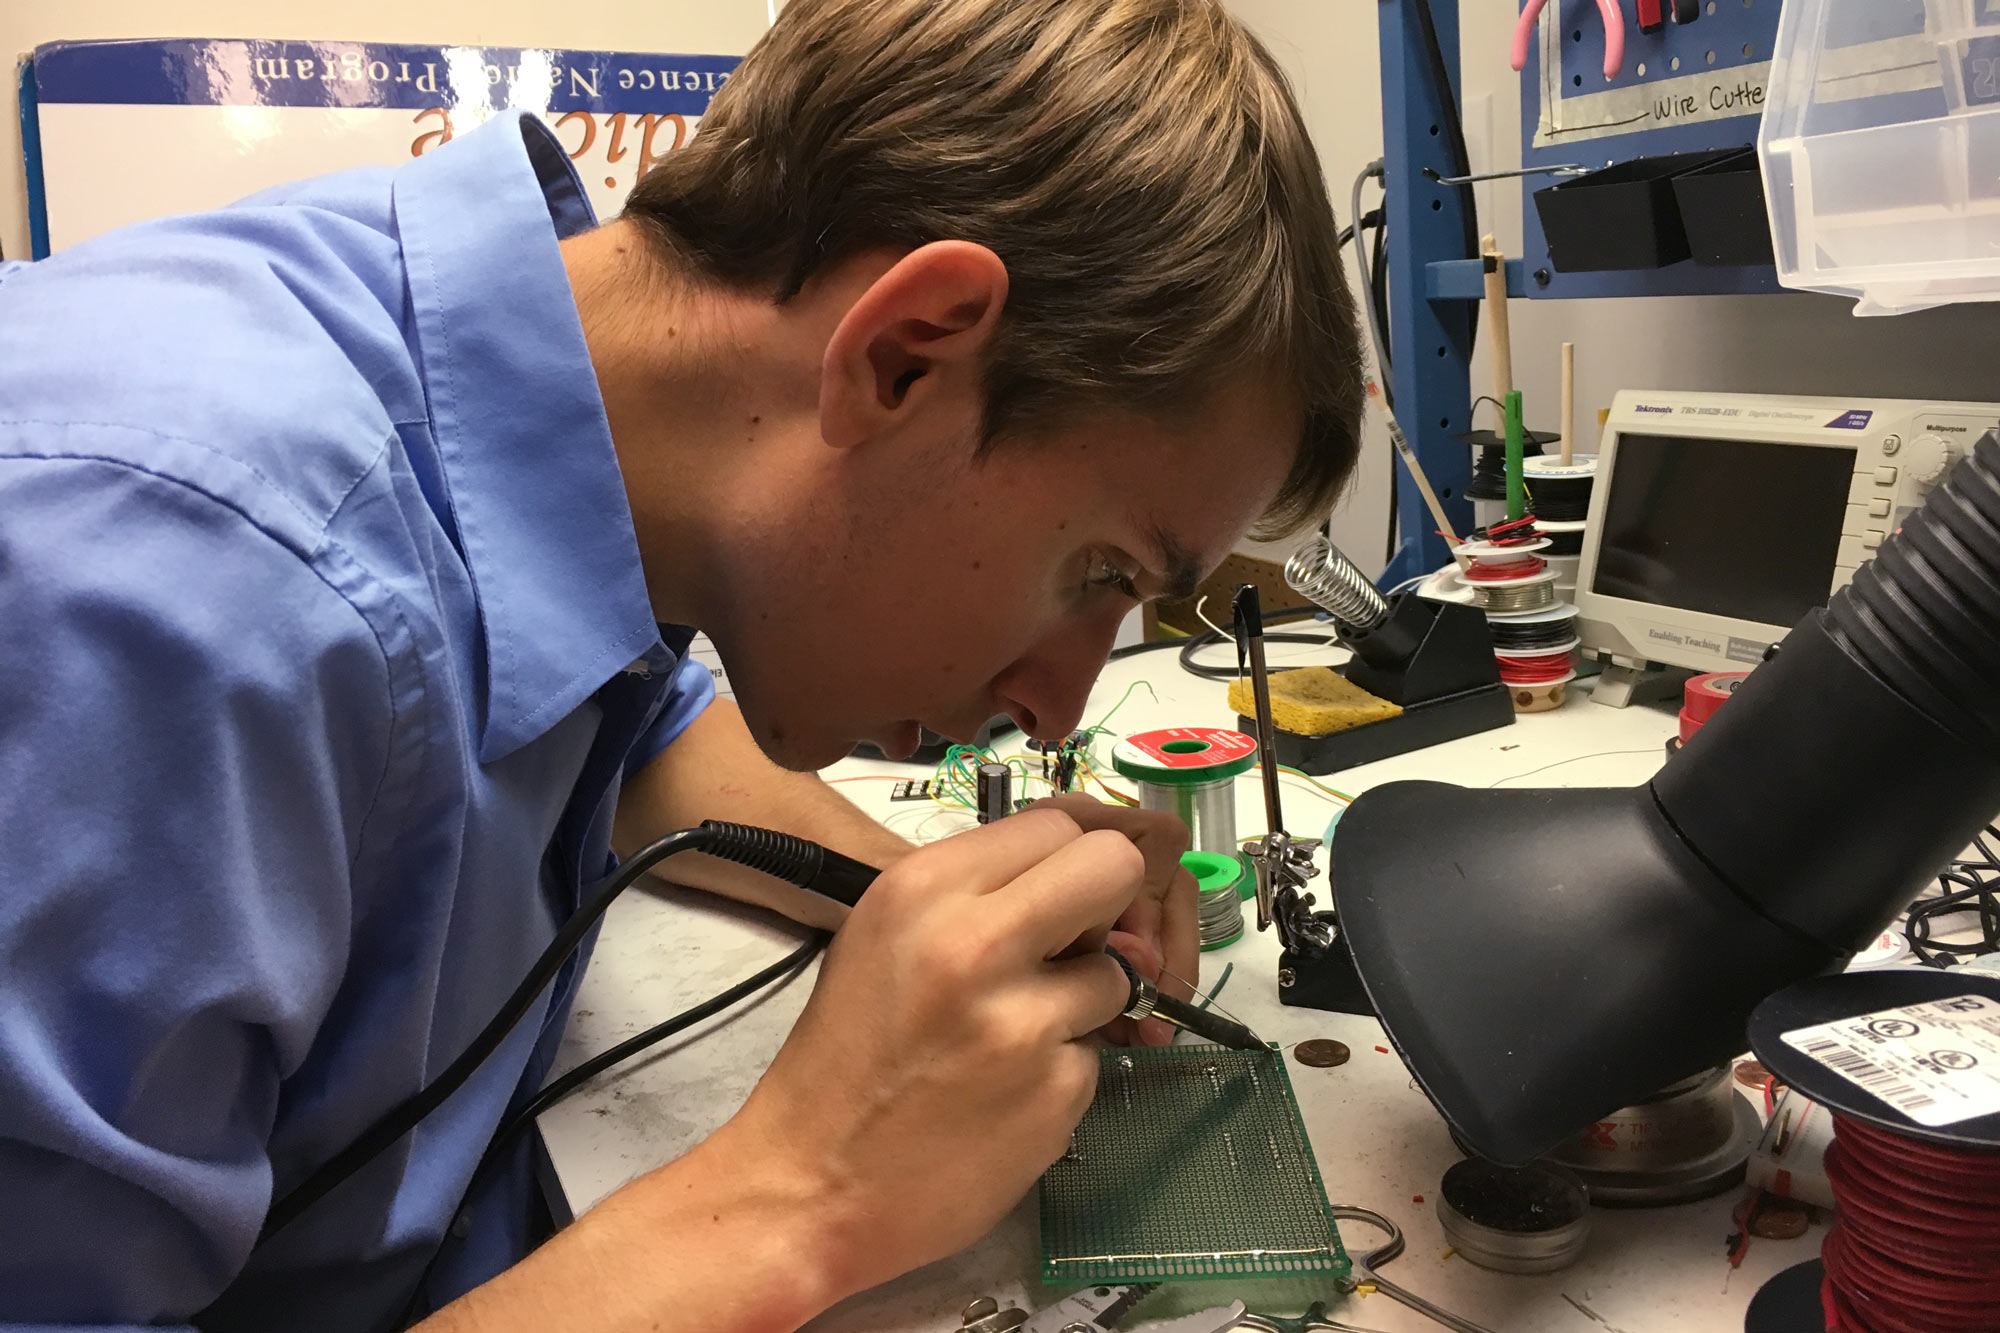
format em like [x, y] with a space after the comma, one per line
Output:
[193, 728]
[691, 690]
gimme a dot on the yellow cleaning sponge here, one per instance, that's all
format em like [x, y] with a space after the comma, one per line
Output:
[1313, 701]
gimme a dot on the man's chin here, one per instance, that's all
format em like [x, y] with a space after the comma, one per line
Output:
[796, 751]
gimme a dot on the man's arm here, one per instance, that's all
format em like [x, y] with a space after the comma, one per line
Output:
[714, 770]
[859, 1155]
[194, 732]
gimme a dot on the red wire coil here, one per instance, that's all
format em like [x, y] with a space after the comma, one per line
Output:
[1915, 1246]
[1488, 571]
[1534, 670]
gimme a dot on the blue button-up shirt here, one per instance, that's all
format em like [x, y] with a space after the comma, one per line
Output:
[326, 648]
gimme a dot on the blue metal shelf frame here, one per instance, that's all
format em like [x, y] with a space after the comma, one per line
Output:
[1430, 278]
[1429, 341]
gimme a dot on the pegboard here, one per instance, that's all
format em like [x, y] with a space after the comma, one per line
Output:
[1687, 87]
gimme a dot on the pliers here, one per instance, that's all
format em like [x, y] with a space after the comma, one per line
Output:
[1614, 34]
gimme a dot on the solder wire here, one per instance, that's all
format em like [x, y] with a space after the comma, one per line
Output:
[1522, 597]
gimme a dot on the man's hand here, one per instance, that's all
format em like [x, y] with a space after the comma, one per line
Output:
[939, 1067]
[1160, 927]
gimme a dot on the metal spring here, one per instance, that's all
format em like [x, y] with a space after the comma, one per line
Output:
[1523, 597]
[1319, 571]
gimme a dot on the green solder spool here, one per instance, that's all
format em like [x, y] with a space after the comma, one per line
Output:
[1190, 773]
[1220, 883]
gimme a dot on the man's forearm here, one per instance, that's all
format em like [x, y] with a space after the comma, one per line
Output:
[714, 770]
[724, 1240]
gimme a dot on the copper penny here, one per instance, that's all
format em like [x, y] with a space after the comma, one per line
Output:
[1752, 1074]
[1320, 1053]
[1779, 1220]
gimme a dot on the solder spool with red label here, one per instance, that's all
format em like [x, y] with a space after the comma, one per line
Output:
[1190, 773]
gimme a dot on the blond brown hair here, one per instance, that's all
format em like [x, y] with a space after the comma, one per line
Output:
[1139, 166]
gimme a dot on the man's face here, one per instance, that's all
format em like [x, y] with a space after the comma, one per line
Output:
[928, 587]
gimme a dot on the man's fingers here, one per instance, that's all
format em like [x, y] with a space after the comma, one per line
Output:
[1159, 835]
[1084, 994]
[1080, 889]
[1180, 928]
[983, 859]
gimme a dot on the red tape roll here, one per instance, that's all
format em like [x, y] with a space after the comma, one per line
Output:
[1703, 696]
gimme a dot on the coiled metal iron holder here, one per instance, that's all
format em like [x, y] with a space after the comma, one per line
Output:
[1434, 660]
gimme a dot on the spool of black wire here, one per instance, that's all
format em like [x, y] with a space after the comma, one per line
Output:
[1549, 628]
[1560, 492]
[1489, 469]
[1564, 540]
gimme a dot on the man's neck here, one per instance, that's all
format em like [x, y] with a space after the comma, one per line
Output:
[688, 378]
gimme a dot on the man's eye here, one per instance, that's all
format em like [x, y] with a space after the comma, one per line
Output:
[1108, 575]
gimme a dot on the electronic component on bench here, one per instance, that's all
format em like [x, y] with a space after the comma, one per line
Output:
[1062, 759]
[995, 792]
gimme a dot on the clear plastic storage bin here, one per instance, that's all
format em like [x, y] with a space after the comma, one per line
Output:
[1881, 150]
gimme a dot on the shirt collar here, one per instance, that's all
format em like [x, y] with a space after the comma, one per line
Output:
[535, 488]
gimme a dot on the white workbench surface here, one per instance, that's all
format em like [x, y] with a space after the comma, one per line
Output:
[1378, 1141]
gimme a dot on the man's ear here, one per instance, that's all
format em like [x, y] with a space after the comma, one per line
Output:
[915, 338]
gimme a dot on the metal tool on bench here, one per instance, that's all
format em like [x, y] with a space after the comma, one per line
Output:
[1314, 969]
[1095, 1310]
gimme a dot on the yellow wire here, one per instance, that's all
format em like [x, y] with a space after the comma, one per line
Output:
[1307, 778]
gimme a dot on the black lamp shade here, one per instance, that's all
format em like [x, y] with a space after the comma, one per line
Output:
[1542, 958]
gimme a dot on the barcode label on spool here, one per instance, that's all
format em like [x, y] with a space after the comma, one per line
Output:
[1937, 1063]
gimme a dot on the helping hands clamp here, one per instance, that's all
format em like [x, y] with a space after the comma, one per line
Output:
[1315, 970]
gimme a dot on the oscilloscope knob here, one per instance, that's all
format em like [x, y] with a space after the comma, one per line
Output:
[1930, 457]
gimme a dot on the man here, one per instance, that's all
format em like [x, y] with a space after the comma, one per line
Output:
[349, 541]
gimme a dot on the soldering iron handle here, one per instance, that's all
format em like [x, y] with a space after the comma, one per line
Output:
[793, 859]
[842, 878]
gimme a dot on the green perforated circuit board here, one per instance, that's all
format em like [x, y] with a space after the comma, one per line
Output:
[1192, 1163]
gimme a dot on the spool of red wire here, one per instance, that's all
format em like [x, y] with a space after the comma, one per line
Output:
[1489, 571]
[1915, 1247]
[1535, 670]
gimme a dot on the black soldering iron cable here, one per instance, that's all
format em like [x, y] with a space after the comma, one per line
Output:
[784, 969]
[405, 1115]
[789, 858]
[779, 972]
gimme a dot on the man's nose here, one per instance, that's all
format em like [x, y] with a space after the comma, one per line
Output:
[1046, 690]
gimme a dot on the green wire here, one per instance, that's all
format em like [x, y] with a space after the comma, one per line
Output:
[1105, 721]
[1216, 989]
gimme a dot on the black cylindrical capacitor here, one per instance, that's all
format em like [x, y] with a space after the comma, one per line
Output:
[996, 792]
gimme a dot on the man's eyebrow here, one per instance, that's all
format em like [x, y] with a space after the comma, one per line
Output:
[1182, 568]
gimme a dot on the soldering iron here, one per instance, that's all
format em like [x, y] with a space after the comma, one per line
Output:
[793, 859]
